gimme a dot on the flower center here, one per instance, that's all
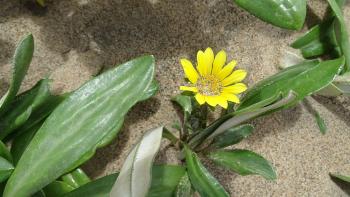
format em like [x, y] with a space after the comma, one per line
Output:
[209, 85]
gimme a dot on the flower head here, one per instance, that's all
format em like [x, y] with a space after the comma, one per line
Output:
[211, 81]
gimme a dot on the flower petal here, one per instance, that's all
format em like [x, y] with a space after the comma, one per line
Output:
[200, 98]
[231, 97]
[222, 101]
[219, 62]
[235, 77]
[189, 70]
[227, 70]
[186, 88]
[209, 56]
[235, 89]
[201, 63]
[211, 100]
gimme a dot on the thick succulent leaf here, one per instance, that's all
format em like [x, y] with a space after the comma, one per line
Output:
[151, 90]
[5, 153]
[97, 188]
[6, 169]
[341, 177]
[184, 188]
[201, 179]
[57, 189]
[232, 136]
[23, 106]
[164, 181]
[183, 101]
[165, 178]
[319, 40]
[304, 79]
[341, 32]
[20, 64]
[244, 162]
[135, 178]
[288, 14]
[20, 142]
[79, 124]
[76, 178]
[232, 120]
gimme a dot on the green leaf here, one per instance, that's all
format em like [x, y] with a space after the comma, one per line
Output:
[98, 188]
[164, 181]
[341, 177]
[201, 179]
[342, 35]
[5, 153]
[319, 40]
[184, 188]
[231, 120]
[57, 189]
[244, 162]
[79, 124]
[135, 176]
[184, 102]
[232, 136]
[6, 169]
[23, 106]
[304, 79]
[321, 123]
[20, 64]
[288, 14]
[76, 178]
[165, 178]
[151, 91]
[21, 142]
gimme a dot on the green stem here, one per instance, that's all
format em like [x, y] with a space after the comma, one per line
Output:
[170, 136]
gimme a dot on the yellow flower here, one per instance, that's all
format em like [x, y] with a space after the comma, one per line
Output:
[211, 81]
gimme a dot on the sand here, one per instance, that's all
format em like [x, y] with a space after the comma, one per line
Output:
[74, 39]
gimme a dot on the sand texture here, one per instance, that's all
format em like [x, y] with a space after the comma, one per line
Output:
[75, 39]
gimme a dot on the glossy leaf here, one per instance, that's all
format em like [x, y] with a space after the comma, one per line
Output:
[76, 178]
[57, 189]
[22, 107]
[184, 188]
[79, 124]
[341, 32]
[164, 181]
[6, 169]
[165, 178]
[304, 79]
[184, 102]
[38, 114]
[232, 136]
[319, 40]
[200, 177]
[232, 120]
[20, 64]
[151, 90]
[341, 177]
[244, 162]
[288, 14]
[98, 188]
[135, 178]
[21, 142]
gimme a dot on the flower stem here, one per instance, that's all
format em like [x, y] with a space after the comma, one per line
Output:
[170, 136]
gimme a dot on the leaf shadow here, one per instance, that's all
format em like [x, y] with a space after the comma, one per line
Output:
[339, 106]
[274, 123]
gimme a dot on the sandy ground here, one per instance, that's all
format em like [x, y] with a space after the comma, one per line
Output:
[76, 38]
